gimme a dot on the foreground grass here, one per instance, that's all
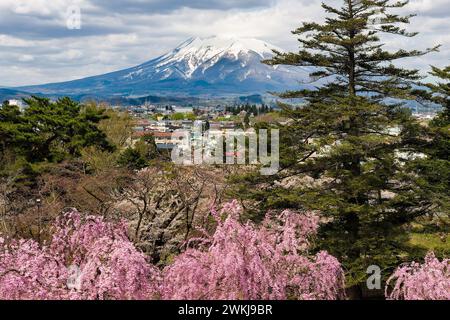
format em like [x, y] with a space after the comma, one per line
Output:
[430, 241]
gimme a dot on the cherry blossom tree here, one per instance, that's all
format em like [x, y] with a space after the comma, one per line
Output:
[91, 258]
[87, 258]
[243, 261]
[427, 281]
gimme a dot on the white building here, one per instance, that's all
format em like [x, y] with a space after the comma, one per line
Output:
[18, 103]
[182, 109]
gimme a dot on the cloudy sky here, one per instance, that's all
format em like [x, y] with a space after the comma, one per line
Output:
[36, 45]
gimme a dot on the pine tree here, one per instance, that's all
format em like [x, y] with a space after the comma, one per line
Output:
[52, 131]
[348, 137]
[440, 94]
[433, 170]
[9, 130]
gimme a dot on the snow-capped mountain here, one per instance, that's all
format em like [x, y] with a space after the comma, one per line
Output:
[213, 66]
[202, 54]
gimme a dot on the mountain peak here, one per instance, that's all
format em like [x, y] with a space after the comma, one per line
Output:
[215, 66]
[199, 52]
[232, 45]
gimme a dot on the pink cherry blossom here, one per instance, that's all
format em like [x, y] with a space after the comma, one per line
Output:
[109, 265]
[91, 258]
[415, 281]
[244, 261]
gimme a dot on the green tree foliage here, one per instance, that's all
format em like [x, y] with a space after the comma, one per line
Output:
[341, 152]
[51, 131]
[433, 170]
[118, 128]
[183, 116]
[148, 148]
[140, 155]
[253, 109]
[9, 130]
[247, 120]
[440, 94]
[132, 159]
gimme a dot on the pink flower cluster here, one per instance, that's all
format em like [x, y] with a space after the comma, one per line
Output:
[415, 281]
[243, 261]
[89, 258]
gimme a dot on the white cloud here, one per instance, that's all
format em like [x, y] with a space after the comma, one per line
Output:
[114, 37]
[26, 58]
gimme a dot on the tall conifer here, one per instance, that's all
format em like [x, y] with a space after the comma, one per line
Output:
[349, 136]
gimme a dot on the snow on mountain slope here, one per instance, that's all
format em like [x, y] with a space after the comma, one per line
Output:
[201, 54]
[214, 66]
[197, 52]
